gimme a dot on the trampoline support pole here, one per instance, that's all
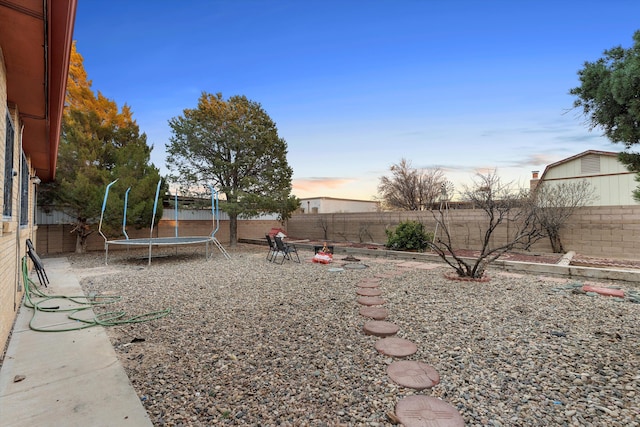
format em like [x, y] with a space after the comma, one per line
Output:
[176, 212]
[214, 211]
[124, 216]
[153, 219]
[104, 206]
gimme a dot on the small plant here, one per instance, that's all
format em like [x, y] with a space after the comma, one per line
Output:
[408, 236]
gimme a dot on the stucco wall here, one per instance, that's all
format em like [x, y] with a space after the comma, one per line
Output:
[328, 204]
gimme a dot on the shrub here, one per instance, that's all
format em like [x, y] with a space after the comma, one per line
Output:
[407, 236]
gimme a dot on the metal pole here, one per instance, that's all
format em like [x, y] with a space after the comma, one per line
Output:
[124, 217]
[153, 218]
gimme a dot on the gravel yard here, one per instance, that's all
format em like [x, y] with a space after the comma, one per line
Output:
[249, 342]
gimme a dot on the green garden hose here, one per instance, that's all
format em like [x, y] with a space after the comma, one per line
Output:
[41, 302]
[630, 295]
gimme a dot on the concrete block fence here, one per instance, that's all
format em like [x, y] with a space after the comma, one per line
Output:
[600, 231]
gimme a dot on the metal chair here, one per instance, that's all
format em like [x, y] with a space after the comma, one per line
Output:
[273, 249]
[37, 263]
[287, 250]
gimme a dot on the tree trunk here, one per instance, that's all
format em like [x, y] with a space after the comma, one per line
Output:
[81, 241]
[556, 243]
[83, 231]
[233, 230]
[79, 244]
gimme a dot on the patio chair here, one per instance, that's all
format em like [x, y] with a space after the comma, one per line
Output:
[37, 263]
[273, 249]
[287, 250]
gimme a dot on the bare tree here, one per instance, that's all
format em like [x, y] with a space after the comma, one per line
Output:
[503, 208]
[324, 224]
[411, 189]
[553, 204]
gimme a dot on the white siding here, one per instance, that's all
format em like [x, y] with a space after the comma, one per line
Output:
[613, 184]
[331, 205]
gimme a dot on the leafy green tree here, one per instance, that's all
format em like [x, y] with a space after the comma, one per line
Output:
[608, 97]
[99, 144]
[233, 145]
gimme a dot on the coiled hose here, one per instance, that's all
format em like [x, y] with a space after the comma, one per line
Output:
[41, 303]
[631, 295]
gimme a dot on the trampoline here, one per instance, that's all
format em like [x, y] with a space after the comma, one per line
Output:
[151, 241]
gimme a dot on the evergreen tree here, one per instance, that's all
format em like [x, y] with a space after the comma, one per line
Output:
[609, 95]
[99, 144]
[234, 146]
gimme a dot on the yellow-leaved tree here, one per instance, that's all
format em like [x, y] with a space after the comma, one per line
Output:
[99, 143]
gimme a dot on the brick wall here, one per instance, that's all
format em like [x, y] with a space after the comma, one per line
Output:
[9, 297]
[12, 236]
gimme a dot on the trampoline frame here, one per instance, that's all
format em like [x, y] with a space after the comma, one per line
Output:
[162, 241]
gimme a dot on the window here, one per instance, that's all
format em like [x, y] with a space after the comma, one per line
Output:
[8, 167]
[24, 192]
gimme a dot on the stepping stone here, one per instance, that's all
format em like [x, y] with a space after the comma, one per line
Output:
[376, 313]
[370, 301]
[397, 347]
[380, 328]
[370, 280]
[368, 292]
[357, 266]
[409, 264]
[412, 374]
[426, 411]
[368, 284]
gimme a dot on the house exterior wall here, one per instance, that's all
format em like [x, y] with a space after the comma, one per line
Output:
[12, 235]
[8, 288]
[34, 62]
[612, 182]
[335, 205]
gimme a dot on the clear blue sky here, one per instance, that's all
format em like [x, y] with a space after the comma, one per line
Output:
[354, 86]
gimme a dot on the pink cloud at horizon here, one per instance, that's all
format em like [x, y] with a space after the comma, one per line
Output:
[345, 188]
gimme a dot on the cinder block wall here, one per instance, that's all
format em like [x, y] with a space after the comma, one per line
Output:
[58, 239]
[611, 231]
